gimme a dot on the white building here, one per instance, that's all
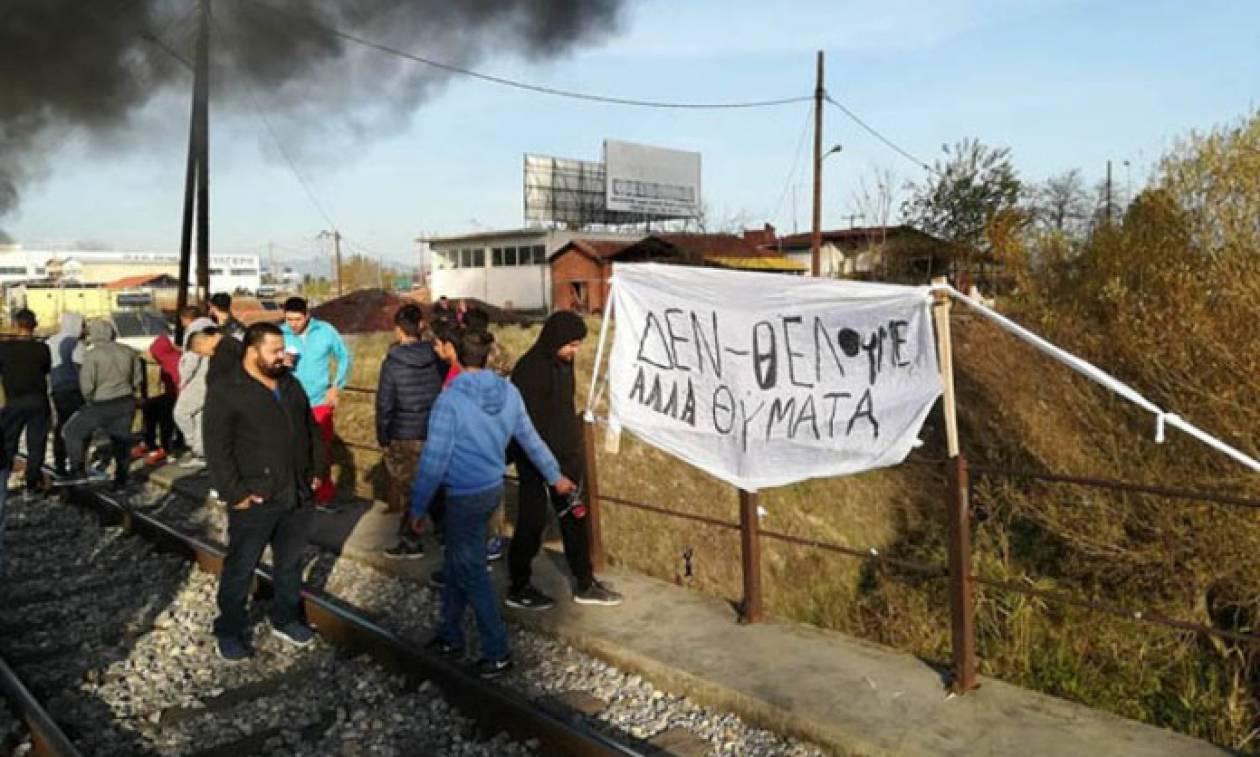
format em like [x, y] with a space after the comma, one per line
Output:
[507, 269]
[228, 273]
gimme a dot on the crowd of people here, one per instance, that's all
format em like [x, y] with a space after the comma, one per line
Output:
[254, 406]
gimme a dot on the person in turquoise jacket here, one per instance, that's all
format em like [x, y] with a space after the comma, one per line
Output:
[310, 346]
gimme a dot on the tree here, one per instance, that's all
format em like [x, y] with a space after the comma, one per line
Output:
[1061, 204]
[966, 190]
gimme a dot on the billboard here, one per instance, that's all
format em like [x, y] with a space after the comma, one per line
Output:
[651, 181]
[567, 191]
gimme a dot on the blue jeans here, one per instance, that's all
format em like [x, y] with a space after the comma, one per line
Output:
[467, 582]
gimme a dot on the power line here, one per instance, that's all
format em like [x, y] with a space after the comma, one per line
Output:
[538, 88]
[796, 159]
[875, 133]
[262, 116]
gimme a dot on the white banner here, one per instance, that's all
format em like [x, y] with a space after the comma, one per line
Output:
[765, 380]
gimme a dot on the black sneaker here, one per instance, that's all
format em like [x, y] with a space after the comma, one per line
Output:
[323, 507]
[529, 598]
[597, 594]
[437, 579]
[231, 648]
[439, 647]
[405, 550]
[494, 668]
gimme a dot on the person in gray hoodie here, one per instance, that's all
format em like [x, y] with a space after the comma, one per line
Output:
[66, 347]
[109, 378]
[191, 405]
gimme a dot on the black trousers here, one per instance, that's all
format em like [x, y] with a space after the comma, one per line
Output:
[284, 523]
[115, 417]
[66, 402]
[532, 511]
[159, 423]
[29, 413]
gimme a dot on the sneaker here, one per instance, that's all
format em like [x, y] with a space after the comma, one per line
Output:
[296, 633]
[192, 461]
[495, 548]
[529, 598]
[212, 494]
[324, 507]
[597, 594]
[493, 668]
[139, 451]
[437, 579]
[231, 648]
[73, 477]
[405, 551]
[443, 649]
[155, 457]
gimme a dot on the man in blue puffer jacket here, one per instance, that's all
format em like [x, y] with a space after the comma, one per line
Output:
[410, 380]
[469, 429]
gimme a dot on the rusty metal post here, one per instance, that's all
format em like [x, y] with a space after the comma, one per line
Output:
[961, 601]
[594, 530]
[750, 553]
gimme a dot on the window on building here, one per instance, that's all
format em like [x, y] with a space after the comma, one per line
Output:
[13, 270]
[509, 256]
[244, 271]
[540, 254]
[478, 257]
[216, 271]
[496, 257]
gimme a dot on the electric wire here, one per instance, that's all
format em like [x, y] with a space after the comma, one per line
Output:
[527, 86]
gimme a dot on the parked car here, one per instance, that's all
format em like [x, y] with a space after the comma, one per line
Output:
[138, 328]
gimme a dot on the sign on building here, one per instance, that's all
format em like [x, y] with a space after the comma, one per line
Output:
[653, 181]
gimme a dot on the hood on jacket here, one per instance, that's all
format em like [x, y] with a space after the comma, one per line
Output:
[485, 388]
[561, 327]
[199, 324]
[414, 354]
[100, 331]
[66, 348]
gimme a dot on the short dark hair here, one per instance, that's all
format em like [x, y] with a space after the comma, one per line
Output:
[191, 312]
[294, 305]
[473, 348]
[476, 319]
[221, 300]
[25, 319]
[446, 330]
[256, 333]
[410, 318]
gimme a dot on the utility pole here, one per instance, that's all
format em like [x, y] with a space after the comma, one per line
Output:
[1108, 195]
[197, 178]
[815, 243]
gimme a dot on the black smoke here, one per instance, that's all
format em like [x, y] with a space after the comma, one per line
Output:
[89, 66]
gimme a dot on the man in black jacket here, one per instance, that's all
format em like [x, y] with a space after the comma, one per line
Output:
[410, 380]
[24, 365]
[544, 376]
[265, 458]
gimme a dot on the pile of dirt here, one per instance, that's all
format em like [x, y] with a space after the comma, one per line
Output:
[369, 311]
[361, 312]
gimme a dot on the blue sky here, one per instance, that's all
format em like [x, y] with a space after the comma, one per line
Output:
[1063, 83]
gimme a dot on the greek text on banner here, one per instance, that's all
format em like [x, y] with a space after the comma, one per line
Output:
[764, 380]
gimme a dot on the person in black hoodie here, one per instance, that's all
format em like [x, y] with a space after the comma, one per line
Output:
[410, 380]
[266, 458]
[544, 376]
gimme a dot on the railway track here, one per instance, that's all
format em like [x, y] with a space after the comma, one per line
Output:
[105, 649]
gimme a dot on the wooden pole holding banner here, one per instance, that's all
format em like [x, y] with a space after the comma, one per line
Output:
[958, 511]
[594, 531]
[750, 554]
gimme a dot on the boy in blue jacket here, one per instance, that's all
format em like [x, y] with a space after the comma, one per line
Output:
[470, 426]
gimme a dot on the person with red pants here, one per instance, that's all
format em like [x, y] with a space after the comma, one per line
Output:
[311, 346]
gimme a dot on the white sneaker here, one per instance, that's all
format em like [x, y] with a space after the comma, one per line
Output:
[193, 462]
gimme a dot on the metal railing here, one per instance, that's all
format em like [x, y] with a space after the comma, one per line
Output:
[958, 571]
